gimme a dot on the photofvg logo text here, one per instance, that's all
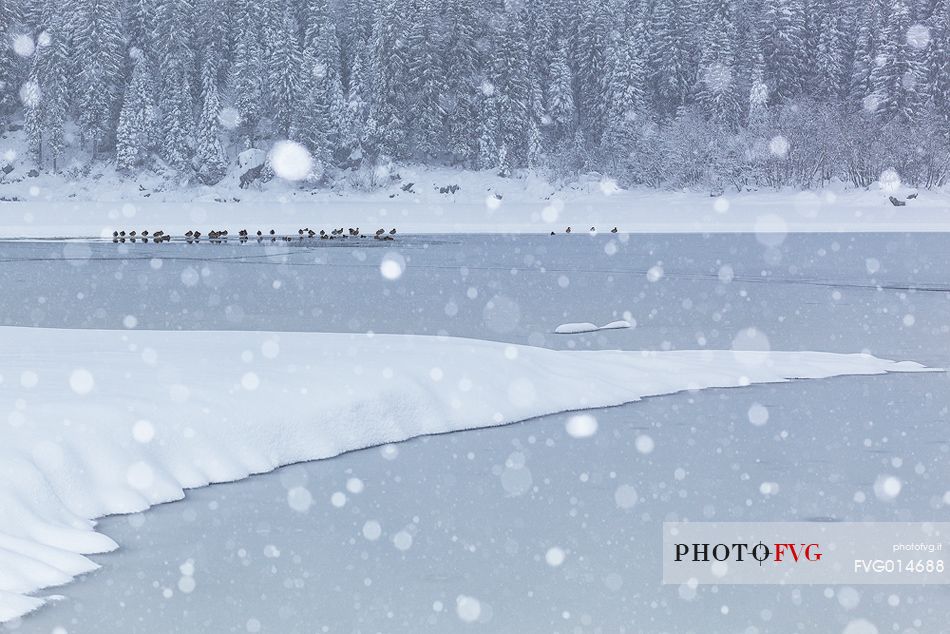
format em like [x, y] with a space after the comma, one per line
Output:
[777, 553]
[805, 552]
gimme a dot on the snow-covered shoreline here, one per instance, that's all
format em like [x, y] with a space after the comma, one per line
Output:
[49, 207]
[106, 422]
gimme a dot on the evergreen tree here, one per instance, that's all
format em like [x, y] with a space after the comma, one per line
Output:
[489, 156]
[137, 131]
[828, 58]
[511, 88]
[246, 83]
[208, 151]
[865, 47]
[426, 84]
[388, 78]
[626, 97]
[590, 67]
[460, 99]
[284, 72]
[316, 18]
[898, 77]
[321, 123]
[783, 45]
[99, 58]
[9, 17]
[560, 97]
[174, 29]
[47, 117]
[673, 72]
[938, 63]
[718, 94]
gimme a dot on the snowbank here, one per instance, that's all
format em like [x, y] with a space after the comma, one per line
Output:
[424, 200]
[573, 328]
[103, 422]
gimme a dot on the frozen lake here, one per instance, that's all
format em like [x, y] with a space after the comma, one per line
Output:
[476, 514]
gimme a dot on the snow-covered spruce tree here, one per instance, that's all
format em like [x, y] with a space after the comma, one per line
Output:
[560, 98]
[46, 115]
[356, 103]
[457, 68]
[488, 149]
[354, 33]
[137, 131]
[869, 23]
[540, 28]
[590, 67]
[140, 24]
[718, 94]
[98, 57]
[755, 136]
[212, 164]
[32, 97]
[283, 73]
[427, 86]
[213, 38]
[9, 17]
[246, 73]
[671, 56]
[938, 64]
[315, 17]
[511, 91]
[321, 118]
[627, 109]
[389, 78]
[783, 46]
[828, 76]
[175, 30]
[898, 78]
[313, 125]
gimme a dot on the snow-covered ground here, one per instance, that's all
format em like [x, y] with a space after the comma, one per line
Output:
[885, 294]
[52, 206]
[106, 422]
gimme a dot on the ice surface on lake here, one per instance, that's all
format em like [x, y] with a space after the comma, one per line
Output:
[836, 437]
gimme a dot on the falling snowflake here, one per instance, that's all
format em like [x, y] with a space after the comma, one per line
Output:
[887, 487]
[918, 36]
[889, 181]
[23, 45]
[778, 146]
[468, 608]
[30, 94]
[81, 381]
[291, 161]
[392, 266]
[229, 118]
[758, 414]
[581, 426]
[143, 431]
[555, 556]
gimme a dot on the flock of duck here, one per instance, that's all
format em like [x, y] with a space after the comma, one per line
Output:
[216, 236]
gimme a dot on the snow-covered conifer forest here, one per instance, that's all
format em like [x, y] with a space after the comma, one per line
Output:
[716, 94]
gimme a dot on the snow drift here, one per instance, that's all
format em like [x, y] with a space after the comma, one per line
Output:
[574, 328]
[103, 422]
